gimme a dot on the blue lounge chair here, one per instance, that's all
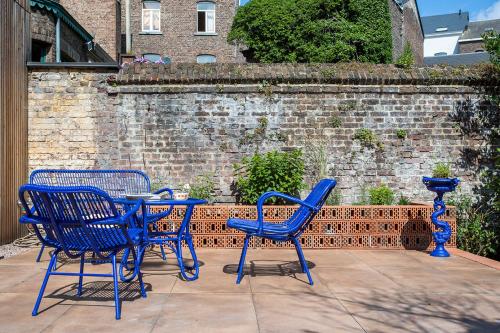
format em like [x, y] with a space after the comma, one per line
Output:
[289, 230]
[79, 220]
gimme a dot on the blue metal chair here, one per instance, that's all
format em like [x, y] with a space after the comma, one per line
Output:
[289, 230]
[116, 183]
[78, 220]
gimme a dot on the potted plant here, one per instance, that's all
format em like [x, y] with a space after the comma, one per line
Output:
[440, 183]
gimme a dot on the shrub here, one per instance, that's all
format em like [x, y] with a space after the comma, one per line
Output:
[492, 45]
[403, 201]
[381, 195]
[367, 138]
[441, 170]
[203, 187]
[406, 60]
[272, 171]
[475, 230]
[334, 199]
[335, 122]
[401, 133]
[315, 31]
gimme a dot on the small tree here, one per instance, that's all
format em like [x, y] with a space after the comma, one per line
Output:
[319, 31]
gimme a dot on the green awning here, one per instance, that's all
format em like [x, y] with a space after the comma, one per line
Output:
[61, 13]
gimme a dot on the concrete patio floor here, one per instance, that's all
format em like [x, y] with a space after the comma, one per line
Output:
[354, 291]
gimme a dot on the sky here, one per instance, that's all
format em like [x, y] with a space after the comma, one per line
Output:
[479, 10]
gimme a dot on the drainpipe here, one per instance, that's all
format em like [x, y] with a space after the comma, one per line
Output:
[128, 37]
[58, 39]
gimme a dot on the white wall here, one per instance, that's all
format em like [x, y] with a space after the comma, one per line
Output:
[448, 44]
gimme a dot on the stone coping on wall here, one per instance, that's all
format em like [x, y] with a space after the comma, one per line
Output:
[272, 74]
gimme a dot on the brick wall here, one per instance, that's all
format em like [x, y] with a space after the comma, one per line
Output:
[179, 121]
[178, 39]
[100, 19]
[406, 28]
[43, 28]
[470, 47]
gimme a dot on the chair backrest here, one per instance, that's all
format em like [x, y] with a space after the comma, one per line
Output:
[75, 219]
[115, 182]
[299, 221]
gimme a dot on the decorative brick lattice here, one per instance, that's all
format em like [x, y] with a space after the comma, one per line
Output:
[384, 227]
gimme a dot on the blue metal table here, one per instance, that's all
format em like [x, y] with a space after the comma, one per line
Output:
[172, 239]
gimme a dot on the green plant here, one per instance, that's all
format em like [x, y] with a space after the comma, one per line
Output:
[203, 187]
[492, 45]
[407, 59]
[403, 201]
[335, 122]
[272, 171]
[441, 170]
[367, 138]
[314, 31]
[381, 195]
[401, 133]
[334, 199]
[475, 230]
[266, 88]
[347, 106]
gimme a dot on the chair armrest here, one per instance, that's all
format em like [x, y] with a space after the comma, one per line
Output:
[133, 210]
[267, 195]
[165, 189]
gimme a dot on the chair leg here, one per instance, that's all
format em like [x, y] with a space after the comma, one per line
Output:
[302, 260]
[44, 283]
[80, 278]
[242, 259]
[40, 253]
[139, 273]
[115, 285]
[164, 257]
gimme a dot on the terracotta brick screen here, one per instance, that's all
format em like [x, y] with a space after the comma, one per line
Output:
[347, 227]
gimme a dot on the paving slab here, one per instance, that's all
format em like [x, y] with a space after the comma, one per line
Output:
[353, 291]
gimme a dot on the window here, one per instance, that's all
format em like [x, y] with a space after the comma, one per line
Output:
[441, 29]
[206, 17]
[153, 57]
[151, 16]
[206, 59]
[440, 54]
[39, 51]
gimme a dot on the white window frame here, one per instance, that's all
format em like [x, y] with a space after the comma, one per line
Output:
[150, 13]
[206, 20]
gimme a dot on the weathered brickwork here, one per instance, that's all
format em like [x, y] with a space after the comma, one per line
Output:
[406, 28]
[177, 122]
[471, 47]
[101, 18]
[179, 39]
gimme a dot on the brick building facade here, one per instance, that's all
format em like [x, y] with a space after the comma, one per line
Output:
[196, 30]
[75, 43]
[406, 28]
[101, 18]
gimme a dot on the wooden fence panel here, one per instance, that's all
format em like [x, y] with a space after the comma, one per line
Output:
[14, 51]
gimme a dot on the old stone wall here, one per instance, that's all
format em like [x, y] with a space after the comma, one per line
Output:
[180, 121]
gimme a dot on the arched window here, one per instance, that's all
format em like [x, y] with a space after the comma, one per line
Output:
[206, 59]
[151, 16]
[206, 17]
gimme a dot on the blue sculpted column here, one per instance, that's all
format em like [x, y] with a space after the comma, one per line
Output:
[440, 186]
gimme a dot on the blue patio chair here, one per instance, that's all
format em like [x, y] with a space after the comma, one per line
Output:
[289, 230]
[116, 183]
[78, 220]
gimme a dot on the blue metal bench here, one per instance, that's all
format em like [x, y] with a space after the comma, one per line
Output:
[78, 220]
[116, 183]
[289, 230]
